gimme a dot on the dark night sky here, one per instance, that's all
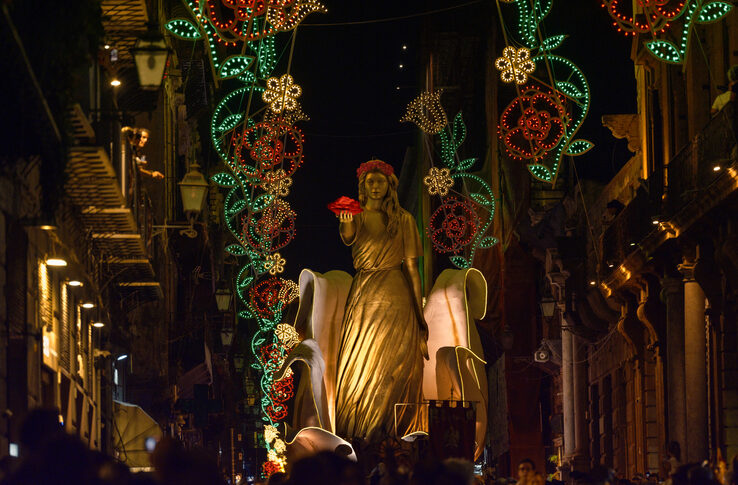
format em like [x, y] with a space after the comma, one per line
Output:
[350, 75]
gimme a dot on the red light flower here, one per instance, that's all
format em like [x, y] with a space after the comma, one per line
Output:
[532, 124]
[265, 298]
[250, 20]
[453, 225]
[271, 229]
[653, 15]
[269, 144]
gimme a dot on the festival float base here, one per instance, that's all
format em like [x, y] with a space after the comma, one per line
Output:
[454, 371]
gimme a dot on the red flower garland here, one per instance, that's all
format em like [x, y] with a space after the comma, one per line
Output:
[269, 144]
[532, 124]
[453, 225]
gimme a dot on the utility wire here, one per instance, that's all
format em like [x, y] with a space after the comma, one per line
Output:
[392, 19]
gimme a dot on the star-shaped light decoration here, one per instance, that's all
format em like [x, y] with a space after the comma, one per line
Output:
[438, 181]
[277, 183]
[427, 112]
[281, 93]
[287, 335]
[515, 65]
[270, 433]
[275, 263]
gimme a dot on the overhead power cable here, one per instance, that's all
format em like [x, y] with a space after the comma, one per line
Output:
[392, 19]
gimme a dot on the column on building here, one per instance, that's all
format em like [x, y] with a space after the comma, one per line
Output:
[672, 295]
[695, 367]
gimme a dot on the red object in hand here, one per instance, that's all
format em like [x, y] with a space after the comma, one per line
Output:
[345, 204]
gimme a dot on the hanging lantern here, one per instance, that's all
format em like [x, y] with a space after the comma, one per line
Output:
[193, 188]
[150, 53]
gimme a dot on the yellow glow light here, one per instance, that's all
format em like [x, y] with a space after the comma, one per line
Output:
[270, 433]
[58, 262]
[277, 183]
[287, 335]
[438, 181]
[279, 446]
[281, 93]
[427, 112]
[115, 83]
[275, 263]
[515, 65]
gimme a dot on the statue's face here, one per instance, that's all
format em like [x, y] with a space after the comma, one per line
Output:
[376, 185]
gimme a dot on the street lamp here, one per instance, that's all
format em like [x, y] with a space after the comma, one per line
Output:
[223, 299]
[548, 305]
[193, 188]
[150, 53]
[226, 336]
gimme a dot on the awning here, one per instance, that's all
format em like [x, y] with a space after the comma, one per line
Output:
[133, 427]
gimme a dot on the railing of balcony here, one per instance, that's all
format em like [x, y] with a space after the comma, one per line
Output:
[627, 229]
[700, 163]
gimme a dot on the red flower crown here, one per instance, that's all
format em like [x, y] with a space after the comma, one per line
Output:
[373, 165]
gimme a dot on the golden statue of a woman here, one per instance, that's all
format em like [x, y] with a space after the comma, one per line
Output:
[383, 336]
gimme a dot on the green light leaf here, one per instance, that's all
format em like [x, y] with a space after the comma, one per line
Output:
[261, 202]
[234, 65]
[569, 89]
[253, 366]
[259, 341]
[487, 242]
[459, 262]
[459, 131]
[224, 180]
[184, 29]
[466, 164]
[480, 199]
[447, 149]
[664, 50]
[237, 207]
[713, 11]
[230, 122]
[579, 147]
[246, 282]
[236, 250]
[247, 77]
[552, 42]
[541, 172]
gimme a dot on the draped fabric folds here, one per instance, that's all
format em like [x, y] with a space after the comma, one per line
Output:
[360, 357]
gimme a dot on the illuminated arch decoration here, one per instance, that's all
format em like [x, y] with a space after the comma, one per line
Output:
[655, 17]
[255, 134]
[459, 225]
[539, 140]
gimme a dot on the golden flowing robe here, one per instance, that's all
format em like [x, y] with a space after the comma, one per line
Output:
[380, 363]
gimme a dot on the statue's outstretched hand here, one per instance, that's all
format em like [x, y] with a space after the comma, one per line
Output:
[345, 217]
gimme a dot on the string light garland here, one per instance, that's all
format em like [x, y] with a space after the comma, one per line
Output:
[281, 93]
[438, 181]
[457, 226]
[453, 225]
[427, 112]
[515, 65]
[262, 149]
[532, 124]
[287, 335]
[534, 133]
[275, 263]
[656, 16]
[184, 29]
